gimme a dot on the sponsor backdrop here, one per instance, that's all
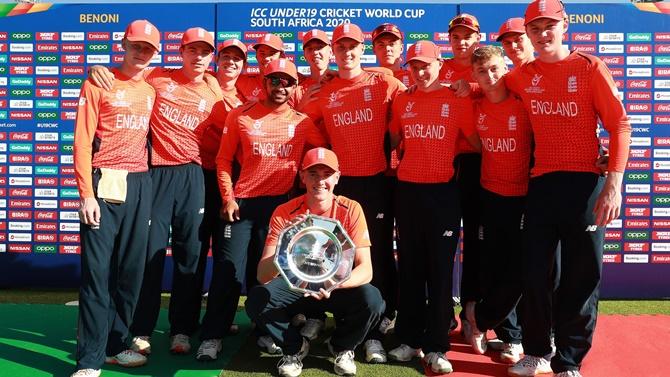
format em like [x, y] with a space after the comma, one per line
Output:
[45, 50]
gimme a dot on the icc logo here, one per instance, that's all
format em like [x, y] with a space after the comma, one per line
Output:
[409, 107]
[536, 79]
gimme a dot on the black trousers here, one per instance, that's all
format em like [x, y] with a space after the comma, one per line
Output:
[428, 218]
[560, 209]
[178, 205]
[501, 242]
[356, 311]
[240, 248]
[372, 193]
[468, 167]
[112, 264]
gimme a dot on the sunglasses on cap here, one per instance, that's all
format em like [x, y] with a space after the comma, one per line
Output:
[280, 81]
[464, 21]
[386, 28]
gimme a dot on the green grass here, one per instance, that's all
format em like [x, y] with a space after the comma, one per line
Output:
[59, 296]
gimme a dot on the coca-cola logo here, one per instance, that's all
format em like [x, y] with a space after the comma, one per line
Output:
[46, 215]
[74, 238]
[584, 37]
[639, 84]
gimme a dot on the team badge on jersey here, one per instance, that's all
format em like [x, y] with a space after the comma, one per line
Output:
[511, 123]
[444, 112]
[82, 101]
[255, 93]
[168, 91]
[367, 95]
[202, 105]
[291, 130]
[448, 74]
[256, 131]
[120, 99]
[572, 84]
[150, 103]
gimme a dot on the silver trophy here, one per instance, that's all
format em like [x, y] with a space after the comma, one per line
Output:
[315, 253]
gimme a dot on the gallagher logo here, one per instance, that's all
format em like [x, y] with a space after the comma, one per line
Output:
[636, 235]
[638, 176]
[636, 246]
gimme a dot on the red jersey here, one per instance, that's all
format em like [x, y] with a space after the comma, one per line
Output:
[564, 101]
[251, 88]
[355, 114]
[404, 76]
[111, 129]
[272, 143]
[506, 136]
[428, 124]
[211, 138]
[348, 212]
[183, 111]
[451, 72]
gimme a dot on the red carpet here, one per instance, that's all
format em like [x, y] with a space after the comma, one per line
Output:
[623, 346]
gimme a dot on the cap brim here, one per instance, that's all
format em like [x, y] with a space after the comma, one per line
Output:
[389, 33]
[244, 53]
[465, 26]
[424, 59]
[335, 168]
[304, 43]
[557, 18]
[348, 37]
[146, 40]
[269, 45]
[501, 36]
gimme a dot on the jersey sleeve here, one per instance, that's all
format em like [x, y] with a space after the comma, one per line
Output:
[467, 115]
[86, 124]
[278, 221]
[313, 110]
[612, 115]
[394, 123]
[224, 158]
[314, 137]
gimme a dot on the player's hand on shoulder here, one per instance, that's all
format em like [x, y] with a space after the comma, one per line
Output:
[101, 77]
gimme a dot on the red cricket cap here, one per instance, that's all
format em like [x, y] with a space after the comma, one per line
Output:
[387, 28]
[464, 19]
[197, 34]
[271, 40]
[320, 156]
[424, 51]
[143, 31]
[235, 43]
[512, 25]
[348, 31]
[281, 65]
[315, 34]
[552, 9]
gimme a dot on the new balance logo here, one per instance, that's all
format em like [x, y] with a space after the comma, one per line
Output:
[591, 228]
[201, 211]
[480, 235]
[380, 215]
[448, 233]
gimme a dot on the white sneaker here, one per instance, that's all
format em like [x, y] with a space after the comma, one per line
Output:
[344, 363]
[511, 353]
[180, 344]
[530, 366]
[568, 373]
[312, 328]
[405, 353]
[477, 340]
[438, 363]
[127, 358]
[289, 366]
[208, 350]
[552, 343]
[141, 344]
[269, 345]
[374, 351]
[387, 325]
[86, 373]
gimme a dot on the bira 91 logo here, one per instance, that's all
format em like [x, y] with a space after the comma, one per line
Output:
[636, 235]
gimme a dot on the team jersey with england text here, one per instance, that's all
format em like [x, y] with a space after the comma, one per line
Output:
[348, 212]
[428, 124]
[251, 88]
[564, 101]
[451, 72]
[355, 115]
[211, 138]
[182, 113]
[506, 136]
[272, 142]
[111, 129]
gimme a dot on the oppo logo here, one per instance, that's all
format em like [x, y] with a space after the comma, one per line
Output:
[71, 81]
[21, 92]
[638, 176]
[47, 115]
[21, 35]
[612, 246]
[47, 58]
[98, 48]
[637, 235]
[417, 36]
[284, 35]
[45, 248]
[662, 200]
